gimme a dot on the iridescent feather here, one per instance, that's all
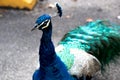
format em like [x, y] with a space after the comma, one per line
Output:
[99, 38]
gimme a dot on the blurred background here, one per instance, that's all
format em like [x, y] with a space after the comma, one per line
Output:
[19, 46]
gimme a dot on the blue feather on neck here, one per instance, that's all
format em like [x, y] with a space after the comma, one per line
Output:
[51, 67]
[46, 51]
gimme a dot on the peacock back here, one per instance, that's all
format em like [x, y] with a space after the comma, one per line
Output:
[100, 38]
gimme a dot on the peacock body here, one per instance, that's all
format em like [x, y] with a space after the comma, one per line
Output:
[89, 48]
[81, 53]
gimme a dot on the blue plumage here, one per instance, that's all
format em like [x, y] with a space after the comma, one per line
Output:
[42, 18]
[51, 67]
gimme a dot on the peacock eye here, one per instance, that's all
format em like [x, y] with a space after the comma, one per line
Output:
[45, 23]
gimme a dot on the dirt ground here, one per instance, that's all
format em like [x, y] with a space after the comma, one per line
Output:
[19, 46]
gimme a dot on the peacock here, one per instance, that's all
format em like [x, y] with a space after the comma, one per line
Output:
[80, 54]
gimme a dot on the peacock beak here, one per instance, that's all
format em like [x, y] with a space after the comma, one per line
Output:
[34, 27]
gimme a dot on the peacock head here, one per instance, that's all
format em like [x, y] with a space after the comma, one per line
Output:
[44, 21]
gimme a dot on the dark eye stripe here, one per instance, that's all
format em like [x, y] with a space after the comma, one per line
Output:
[45, 23]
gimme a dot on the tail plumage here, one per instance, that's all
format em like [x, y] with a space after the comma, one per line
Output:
[99, 38]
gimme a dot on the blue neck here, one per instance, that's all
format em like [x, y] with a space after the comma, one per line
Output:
[47, 51]
[47, 33]
[51, 67]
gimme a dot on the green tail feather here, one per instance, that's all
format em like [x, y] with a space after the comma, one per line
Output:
[99, 38]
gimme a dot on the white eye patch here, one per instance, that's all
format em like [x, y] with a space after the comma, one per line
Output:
[46, 24]
[40, 25]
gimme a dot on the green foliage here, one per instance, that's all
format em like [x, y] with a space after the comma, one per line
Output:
[99, 38]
